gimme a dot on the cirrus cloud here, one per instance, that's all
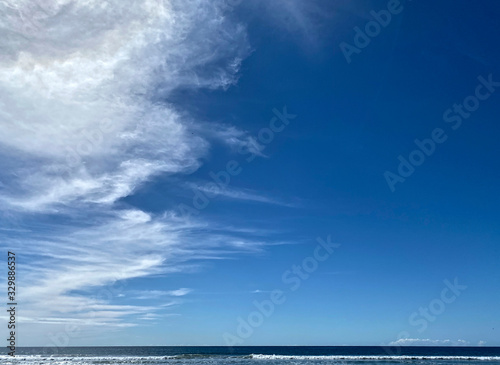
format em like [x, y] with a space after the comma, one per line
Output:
[86, 121]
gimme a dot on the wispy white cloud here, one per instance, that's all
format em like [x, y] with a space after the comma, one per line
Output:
[179, 292]
[239, 140]
[150, 317]
[428, 342]
[214, 190]
[301, 19]
[154, 294]
[80, 94]
[78, 273]
[84, 90]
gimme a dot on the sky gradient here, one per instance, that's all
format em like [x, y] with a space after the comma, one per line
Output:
[167, 168]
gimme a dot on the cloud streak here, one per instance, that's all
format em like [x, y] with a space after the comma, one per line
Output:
[155, 294]
[427, 342]
[237, 194]
[86, 121]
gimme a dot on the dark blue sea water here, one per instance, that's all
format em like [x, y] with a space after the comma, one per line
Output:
[255, 355]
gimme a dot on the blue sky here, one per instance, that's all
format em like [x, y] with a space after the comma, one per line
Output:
[116, 118]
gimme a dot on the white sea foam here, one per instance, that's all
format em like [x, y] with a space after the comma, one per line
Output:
[372, 357]
[202, 358]
[82, 360]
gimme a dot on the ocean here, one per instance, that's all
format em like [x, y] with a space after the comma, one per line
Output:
[254, 355]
